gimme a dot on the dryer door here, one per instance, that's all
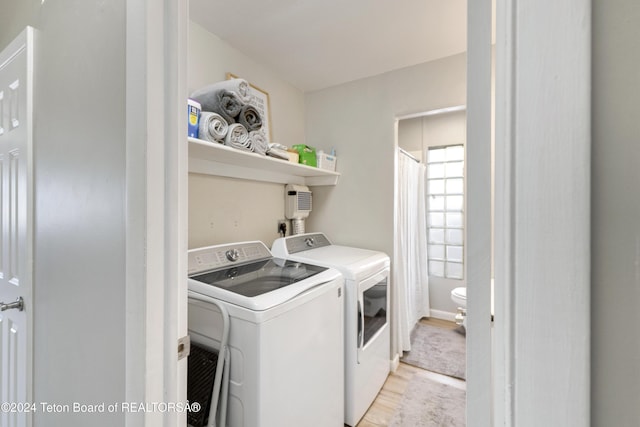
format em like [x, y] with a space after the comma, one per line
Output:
[373, 309]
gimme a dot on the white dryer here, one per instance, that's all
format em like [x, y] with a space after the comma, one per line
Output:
[285, 335]
[367, 321]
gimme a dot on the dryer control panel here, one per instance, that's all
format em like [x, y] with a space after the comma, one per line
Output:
[304, 242]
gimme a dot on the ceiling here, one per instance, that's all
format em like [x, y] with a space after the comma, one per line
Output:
[314, 44]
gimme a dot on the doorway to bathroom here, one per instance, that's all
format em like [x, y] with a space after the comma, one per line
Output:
[436, 141]
[430, 256]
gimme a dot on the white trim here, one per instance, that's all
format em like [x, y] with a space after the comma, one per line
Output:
[156, 177]
[396, 346]
[136, 209]
[395, 363]
[30, 36]
[443, 315]
[542, 213]
[176, 205]
[503, 380]
[439, 111]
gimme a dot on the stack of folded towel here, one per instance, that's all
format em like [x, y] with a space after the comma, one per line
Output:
[278, 151]
[228, 117]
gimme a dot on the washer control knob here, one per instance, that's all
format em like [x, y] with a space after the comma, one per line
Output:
[233, 273]
[232, 255]
[309, 241]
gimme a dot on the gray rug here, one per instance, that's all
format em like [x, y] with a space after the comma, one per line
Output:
[428, 403]
[438, 350]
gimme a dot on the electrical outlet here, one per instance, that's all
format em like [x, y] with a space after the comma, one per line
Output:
[282, 223]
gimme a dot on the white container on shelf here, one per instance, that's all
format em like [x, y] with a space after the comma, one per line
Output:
[326, 161]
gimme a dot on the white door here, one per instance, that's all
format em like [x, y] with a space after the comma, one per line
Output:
[16, 278]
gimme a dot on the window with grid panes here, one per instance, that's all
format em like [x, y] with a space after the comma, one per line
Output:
[445, 194]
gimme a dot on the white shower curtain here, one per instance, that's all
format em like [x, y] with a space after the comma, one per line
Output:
[410, 271]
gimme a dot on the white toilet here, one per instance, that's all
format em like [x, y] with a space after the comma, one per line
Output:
[459, 296]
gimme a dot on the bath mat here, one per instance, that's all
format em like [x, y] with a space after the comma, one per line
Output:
[429, 403]
[438, 350]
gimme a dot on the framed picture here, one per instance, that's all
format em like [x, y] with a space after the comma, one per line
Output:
[259, 100]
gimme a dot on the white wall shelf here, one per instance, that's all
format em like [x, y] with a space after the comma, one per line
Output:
[217, 159]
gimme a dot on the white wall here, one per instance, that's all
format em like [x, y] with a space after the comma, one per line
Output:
[357, 118]
[14, 17]
[615, 210]
[79, 153]
[416, 135]
[223, 210]
[419, 133]
[410, 136]
[80, 239]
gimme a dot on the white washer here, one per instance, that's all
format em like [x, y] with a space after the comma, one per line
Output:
[367, 329]
[285, 338]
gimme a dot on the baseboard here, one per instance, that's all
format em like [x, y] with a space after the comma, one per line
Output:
[395, 362]
[443, 315]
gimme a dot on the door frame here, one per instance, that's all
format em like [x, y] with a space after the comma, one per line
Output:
[520, 44]
[156, 216]
[478, 213]
[541, 338]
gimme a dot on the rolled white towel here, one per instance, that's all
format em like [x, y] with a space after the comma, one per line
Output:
[238, 86]
[238, 137]
[278, 151]
[278, 154]
[259, 142]
[212, 127]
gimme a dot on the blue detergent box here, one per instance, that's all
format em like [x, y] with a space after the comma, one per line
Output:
[193, 110]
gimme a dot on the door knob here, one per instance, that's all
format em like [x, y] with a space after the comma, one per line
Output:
[19, 304]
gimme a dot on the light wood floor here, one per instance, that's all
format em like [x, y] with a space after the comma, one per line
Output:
[382, 409]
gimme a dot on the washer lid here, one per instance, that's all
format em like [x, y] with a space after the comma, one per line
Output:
[258, 278]
[261, 285]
